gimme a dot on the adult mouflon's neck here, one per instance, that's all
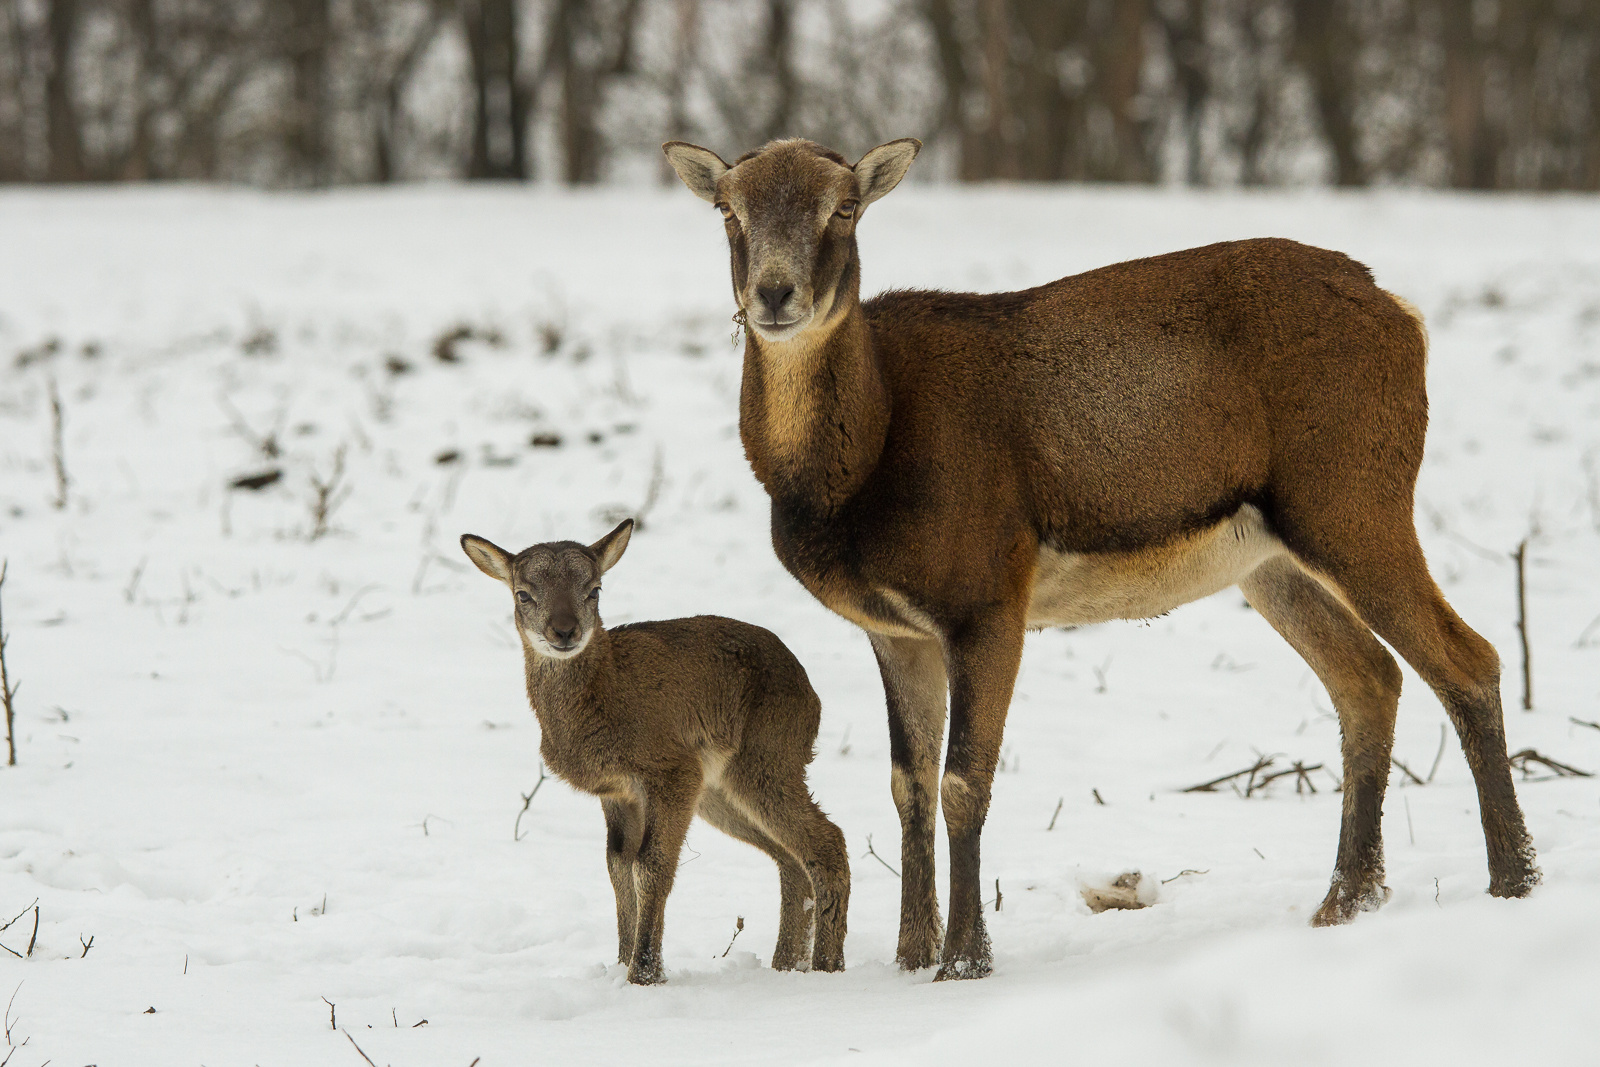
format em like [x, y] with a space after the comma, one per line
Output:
[814, 411]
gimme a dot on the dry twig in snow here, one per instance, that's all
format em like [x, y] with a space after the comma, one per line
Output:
[57, 449]
[1528, 755]
[879, 858]
[527, 799]
[7, 691]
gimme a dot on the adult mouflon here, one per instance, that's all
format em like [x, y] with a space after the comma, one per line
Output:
[664, 719]
[948, 470]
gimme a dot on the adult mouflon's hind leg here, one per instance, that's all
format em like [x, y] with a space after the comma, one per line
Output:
[794, 885]
[914, 684]
[1372, 557]
[1363, 682]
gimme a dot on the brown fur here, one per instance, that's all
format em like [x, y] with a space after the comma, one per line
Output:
[664, 719]
[947, 469]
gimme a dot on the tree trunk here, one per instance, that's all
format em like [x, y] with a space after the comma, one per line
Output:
[308, 52]
[63, 135]
[499, 128]
[1326, 47]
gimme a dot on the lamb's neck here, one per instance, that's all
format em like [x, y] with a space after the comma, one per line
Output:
[814, 411]
[564, 691]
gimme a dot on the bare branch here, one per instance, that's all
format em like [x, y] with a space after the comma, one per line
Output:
[8, 691]
[1409, 773]
[357, 1047]
[738, 928]
[1528, 755]
[1521, 558]
[57, 455]
[879, 858]
[527, 800]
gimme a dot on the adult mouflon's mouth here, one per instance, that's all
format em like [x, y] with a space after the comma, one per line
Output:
[779, 329]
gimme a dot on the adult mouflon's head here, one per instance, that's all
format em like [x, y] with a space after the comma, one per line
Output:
[791, 209]
[556, 586]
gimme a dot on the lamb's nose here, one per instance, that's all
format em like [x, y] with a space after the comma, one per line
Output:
[564, 630]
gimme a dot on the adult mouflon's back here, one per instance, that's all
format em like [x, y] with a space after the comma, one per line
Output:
[662, 720]
[947, 470]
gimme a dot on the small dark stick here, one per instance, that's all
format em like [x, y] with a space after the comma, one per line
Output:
[527, 799]
[333, 1021]
[87, 945]
[7, 690]
[879, 858]
[1053, 817]
[1437, 755]
[56, 455]
[1409, 773]
[1583, 722]
[997, 897]
[1098, 799]
[1521, 557]
[1529, 755]
[33, 940]
[352, 1040]
[738, 928]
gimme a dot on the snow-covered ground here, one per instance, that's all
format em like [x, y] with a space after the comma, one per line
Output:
[260, 769]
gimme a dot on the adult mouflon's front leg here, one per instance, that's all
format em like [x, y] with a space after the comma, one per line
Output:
[983, 658]
[914, 686]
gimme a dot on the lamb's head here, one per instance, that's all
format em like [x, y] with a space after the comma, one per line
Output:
[555, 587]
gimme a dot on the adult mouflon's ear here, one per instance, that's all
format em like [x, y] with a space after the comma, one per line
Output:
[881, 169]
[489, 557]
[698, 167]
[609, 548]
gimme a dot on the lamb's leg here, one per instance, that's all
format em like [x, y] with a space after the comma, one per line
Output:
[784, 810]
[794, 918]
[624, 827]
[668, 811]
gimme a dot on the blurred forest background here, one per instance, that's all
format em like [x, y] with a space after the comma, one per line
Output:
[1479, 94]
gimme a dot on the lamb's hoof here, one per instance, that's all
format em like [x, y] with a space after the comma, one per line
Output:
[830, 964]
[1343, 904]
[916, 953]
[646, 975]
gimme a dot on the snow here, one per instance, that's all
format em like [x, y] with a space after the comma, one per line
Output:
[262, 770]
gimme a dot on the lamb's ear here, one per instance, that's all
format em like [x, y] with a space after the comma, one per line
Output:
[489, 557]
[609, 548]
[698, 167]
[881, 169]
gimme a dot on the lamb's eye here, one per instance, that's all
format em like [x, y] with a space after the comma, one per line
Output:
[727, 212]
[847, 210]
[594, 594]
[522, 595]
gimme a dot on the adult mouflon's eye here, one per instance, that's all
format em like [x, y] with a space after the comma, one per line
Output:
[847, 210]
[727, 212]
[594, 594]
[522, 595]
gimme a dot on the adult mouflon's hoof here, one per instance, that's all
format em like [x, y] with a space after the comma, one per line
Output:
[1345, 901]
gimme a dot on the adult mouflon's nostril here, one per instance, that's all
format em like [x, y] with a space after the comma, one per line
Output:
[774, 296]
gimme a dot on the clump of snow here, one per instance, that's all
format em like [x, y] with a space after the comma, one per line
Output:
[260, 769]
